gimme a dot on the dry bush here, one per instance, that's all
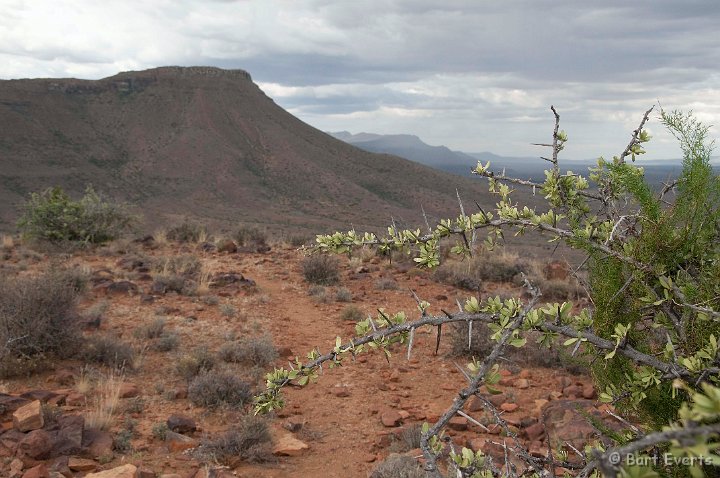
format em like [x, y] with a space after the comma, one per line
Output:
[470, 273]
[398, 466]
[160, 237]
[257, 351]
[386, 283]
[409, 439]
[167, 342]
[343, 294]
[190, 365]
[7, 242]
[105, 402]
[321, 270]
[251, 238]
[248, 441]
[352, 313]
[186, 232]
[214, 388]
[186, 265]
[38, 319]
[109, 351]
[152, 330]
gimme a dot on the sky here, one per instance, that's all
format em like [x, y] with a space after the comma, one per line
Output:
[474, 75]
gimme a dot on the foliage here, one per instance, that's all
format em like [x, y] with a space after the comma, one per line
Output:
[186, 232]
[258, 351]
[654, 280]
[249, 440]
[213, 388]
[108, 351]
[38, 319]
[54, 217]
[321, 270]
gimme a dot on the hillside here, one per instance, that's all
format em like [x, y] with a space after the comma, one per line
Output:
[203, 143]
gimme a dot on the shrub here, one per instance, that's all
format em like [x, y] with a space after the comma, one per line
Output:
[186, 232]
[343, 294]
[53, 217]
[167, 341]
[398, 466]
[321, 270]
[228, 310]
[250, 350]
[483, 267]
[108, 351]
[251, 237]
[386, 283]
[352, 313]
[38, 319]
[153, 330]
[213, 389]
[249, 441]
[159, 431]
[200, 360]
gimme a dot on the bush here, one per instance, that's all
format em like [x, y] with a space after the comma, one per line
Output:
[249, 441]
[109, 351]
[251, 350]
[251, 237]
[386, 283]
[153, 330]
[352, 313]
[186, 232]
[343, 294]
[167, 342]
[398, 466]
[483, 267]
[38, 319]
[53, 217]
[321, 270]
[213, 389]
[200, 360]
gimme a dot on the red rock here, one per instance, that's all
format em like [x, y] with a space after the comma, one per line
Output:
[390, 418]
[521, 383]
[572, 392]
[524, 373]
[458, 423]
[340, 392]
[28, 417]
[81, 464]
[476, 405]
[181, 424]
[537, 449]
[125, 471]
[98, 443]
[75, 399]
[177, 442]
[16, 467]
[509, 407]
[37, 444]
[404, 414]
[288, 445]
[476, 444]
[535, 432]
[589, 392]
[39, 471]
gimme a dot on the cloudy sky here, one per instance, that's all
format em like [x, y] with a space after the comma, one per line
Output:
[474, 75]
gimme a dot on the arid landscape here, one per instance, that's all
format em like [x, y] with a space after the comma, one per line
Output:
[158, 315]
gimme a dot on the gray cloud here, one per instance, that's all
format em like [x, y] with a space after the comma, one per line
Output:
[471, 75]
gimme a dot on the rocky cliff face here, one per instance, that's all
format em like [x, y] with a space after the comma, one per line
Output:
[200, 142]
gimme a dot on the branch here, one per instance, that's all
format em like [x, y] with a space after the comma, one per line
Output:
[635, 135]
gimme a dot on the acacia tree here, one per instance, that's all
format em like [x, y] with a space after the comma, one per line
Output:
[654, 284]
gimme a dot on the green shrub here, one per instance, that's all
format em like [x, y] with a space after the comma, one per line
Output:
[321, 270]
[53, 217]
[249, 441]
[213, 389]
[38, 319]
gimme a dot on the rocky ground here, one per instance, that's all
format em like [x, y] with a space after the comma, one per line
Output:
[343, 425]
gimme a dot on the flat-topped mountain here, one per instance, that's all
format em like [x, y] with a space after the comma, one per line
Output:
[204, 143]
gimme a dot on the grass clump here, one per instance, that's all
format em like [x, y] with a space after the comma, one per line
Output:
[343, 294]
[186, 232]
[167, 342]
[248, 441]
[251, 238]
[398, 466]
[109, 351]
[38, 320]
[152, 330]
[386, 283]
[321, 270]
[214, 388]
[105, 403]
[352, 313]
[250, 350]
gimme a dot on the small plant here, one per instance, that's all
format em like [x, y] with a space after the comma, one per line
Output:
[167, 342]
[7, 242]
[200, 360]
[228, 310]
[153, 330]
[160, 430]
[343, 294]
[258, 351]
[108, 351]
[105, 403]
[321, 270]
[251, 237]
[352, 313]
[386, 283]
[186, 232]
[249, 441]
[398, 466]
[214, 388]
[122, 442]
[53, 217]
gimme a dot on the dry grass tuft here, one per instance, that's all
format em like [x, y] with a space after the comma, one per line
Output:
[105, 403]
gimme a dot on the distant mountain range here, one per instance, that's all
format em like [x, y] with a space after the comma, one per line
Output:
[206, 144]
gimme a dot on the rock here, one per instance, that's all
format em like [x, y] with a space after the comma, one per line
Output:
[75, 399]
[390, 418]
[458, 423]
[10, 403]
[39, 471]
[288, 445]
[227, 245]
[476, 444]
[177, 442]
[125, 471]
[128, 390]
[69, 437]
[564, 424]
[9, 442]
[589, 392]
[535, 432]
[539, 404]
[42, 395]
[509, 407]
[476, 405]
[16, 468]
[97, 443]
[521, 383]
[572, 392]
[37, 445]
[81, 464]
[340, 392]
[181, 424]
[556, 270]
[28, 417]
[124, 287]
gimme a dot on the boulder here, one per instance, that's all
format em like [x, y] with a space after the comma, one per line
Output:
[288, 445]
[28, 417]
[37, 445]
[181, 424]
[125, 471]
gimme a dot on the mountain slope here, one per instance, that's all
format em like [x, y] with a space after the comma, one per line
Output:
[206, 143]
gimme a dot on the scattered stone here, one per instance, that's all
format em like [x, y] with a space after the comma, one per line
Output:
[589, 392]
[340, 392]
[69, 437]
[125, 471]
[535, 432]
[28, 417]
[288, 445]
[97, 443]
[181, 424]
[177, 442]
[81, 464]
[522, 383]
[509, 407]
[227, 245]
[556, 270]
[38, 471]
[37, 445]
[124, 287]
[458, 423]
[390, 418]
